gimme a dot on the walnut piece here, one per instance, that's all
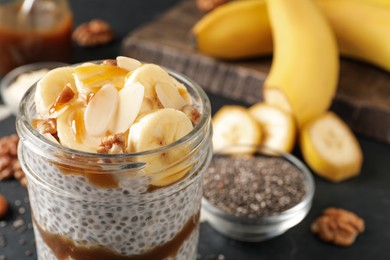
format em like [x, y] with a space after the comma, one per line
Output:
[110, 62]
[94, 33]
[192, 112]
[46, 126]
[338, 226]
[9, 164]
[113, 144]
[209, 5]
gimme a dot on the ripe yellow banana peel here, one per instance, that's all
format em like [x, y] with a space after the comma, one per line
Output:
[237, 29]
[305, 65]
[241, 29]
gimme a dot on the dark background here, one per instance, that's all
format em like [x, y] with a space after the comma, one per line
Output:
[368, 195]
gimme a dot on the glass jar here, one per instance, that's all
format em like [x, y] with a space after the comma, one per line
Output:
[34, 30]
[94, 206]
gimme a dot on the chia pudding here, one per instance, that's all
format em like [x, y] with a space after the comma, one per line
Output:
[118, 189]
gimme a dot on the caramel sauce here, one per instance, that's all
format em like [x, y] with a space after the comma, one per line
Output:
[42, 35]
[93, 176]
[65, 248]
[78, 126]
[63, 98]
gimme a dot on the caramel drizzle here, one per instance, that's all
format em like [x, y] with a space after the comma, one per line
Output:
[64, 248]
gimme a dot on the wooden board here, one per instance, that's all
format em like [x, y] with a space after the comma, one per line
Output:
[363, 96]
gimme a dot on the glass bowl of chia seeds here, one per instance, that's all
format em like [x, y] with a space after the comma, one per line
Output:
[256, 197]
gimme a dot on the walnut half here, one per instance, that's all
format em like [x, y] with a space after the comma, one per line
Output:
[113, 144]
[338, 226]
[94, 33]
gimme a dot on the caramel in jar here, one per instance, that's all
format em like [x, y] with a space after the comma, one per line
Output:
[42, 34]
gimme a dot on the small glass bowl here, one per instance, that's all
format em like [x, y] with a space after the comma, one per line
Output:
[9, 99]
[265, 227]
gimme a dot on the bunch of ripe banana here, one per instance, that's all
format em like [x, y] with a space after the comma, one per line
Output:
[305, 37]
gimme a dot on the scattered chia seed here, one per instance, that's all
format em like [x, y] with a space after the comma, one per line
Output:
[253, 186]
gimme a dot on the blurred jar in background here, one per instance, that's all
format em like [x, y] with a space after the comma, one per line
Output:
[34, 30]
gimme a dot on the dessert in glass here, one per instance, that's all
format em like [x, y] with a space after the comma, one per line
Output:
[114, 153]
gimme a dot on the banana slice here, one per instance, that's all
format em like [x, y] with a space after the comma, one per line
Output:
[129, 105]
[71, 130]
[235, 131]
[330, 148]
[278, 127]
[157, 129]
[183, 91]
[127, 63]
[152, 76]
[50, 86]
[90, 77]
[100, 110]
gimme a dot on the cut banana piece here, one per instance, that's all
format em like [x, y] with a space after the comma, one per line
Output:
[100, 110]
[129, 105]
[89, 78]
[157, 129]
[330, 148]
[150, 76]
[235, 131]
[278, 127]
[50, 86]
[127, 63]
[71, 131]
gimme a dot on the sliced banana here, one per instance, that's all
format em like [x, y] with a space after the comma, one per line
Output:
[89, 78]
[330, 148]
[150, 76]
[129, 105]
[278, 126]
[127, 63]
[71, 130]
[50, 86]
[100, 110]
[157, 129]
[235, 131]
[183, 91]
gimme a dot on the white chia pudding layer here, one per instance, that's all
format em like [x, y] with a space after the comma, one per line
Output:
[127, 220]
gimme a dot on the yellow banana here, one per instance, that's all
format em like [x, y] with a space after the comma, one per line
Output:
[305, 66]
[362, 29]
[241, 29]
[234, 30]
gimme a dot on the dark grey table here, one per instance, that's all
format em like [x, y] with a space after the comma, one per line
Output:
[368, 195]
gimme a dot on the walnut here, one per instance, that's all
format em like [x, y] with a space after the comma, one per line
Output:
[209, 5]
[9, 164]
[113, 144]
[338, 226]
[110, 62]
[46, 126]
[94, 33]
[192, 113]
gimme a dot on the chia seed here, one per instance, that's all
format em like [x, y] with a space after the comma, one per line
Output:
[252, 187]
